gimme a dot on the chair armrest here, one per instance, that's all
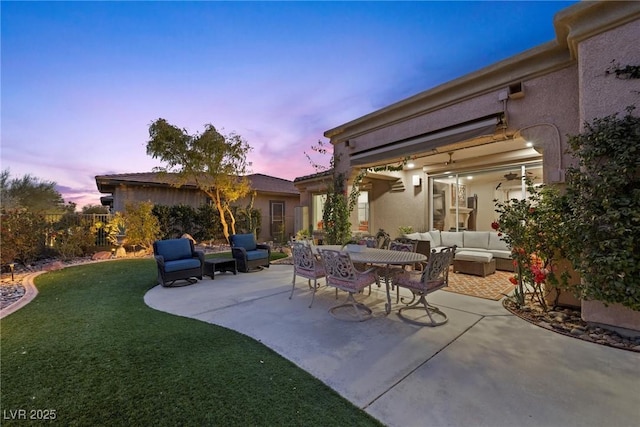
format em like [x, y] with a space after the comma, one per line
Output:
[159, 260]
[199, 255]
[266, 247]
[238, 252]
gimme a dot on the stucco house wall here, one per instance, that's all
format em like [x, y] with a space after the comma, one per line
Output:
[604, 94]
[156, 188]
[564, 83]
[167, 196]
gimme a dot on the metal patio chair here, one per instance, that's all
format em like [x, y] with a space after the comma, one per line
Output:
[434, 276]
[342, 275]
[307, 265]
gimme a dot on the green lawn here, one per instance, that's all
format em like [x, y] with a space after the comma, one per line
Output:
[89, 348]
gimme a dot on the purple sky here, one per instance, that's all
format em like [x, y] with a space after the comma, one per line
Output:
[82, 81]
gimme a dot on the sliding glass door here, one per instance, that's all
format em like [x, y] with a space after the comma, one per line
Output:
[466, 200]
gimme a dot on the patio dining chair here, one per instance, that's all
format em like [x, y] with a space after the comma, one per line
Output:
[404, 245]
[342, 274]
[434, 276]
[306, 264]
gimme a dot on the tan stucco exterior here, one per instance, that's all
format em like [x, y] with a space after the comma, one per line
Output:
[155, 188]
[541, 95]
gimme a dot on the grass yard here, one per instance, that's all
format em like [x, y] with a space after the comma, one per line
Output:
[90, 350]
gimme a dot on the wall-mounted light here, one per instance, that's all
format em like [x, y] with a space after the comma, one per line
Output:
[417, 181]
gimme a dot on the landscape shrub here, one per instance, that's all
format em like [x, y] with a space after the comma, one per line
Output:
[74, 241]
[142, 228]
[603, 193]
[22, 236]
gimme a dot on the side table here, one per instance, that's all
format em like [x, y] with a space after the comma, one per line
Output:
[220, 265]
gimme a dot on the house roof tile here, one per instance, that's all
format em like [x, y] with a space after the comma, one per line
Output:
[259, 182]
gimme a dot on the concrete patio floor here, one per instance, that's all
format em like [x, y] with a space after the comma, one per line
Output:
[485, 367]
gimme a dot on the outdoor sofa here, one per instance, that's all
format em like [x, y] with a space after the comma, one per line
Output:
[472, 247]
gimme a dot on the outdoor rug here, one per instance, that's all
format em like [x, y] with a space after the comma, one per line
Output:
[492, 287]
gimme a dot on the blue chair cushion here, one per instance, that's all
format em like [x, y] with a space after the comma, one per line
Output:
[181, 264]
[246, 241]
[174, 249]
[257, 254]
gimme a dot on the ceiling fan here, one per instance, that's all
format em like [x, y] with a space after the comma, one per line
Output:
[511, 176]
[451, 161]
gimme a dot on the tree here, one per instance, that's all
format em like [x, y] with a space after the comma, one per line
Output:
[142, 226]
[95, 209]
[216, 163]
[32, 194]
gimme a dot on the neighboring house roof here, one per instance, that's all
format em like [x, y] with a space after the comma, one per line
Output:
[314, 176]
[259, 182]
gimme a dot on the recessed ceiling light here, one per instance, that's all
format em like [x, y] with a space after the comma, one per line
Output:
[410, 165]
[469, 177]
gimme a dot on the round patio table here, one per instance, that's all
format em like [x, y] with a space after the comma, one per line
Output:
[387, 257]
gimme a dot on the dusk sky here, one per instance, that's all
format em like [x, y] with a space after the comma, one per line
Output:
[82, 81]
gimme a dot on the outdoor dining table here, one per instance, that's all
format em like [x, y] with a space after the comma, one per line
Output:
[387, 257]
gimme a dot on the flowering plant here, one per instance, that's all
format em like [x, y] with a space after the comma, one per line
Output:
[532, 228]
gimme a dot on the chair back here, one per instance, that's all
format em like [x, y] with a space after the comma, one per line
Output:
[342, 274]
[247, 241]
[338, 265]
[409, 246]
[303, 257]
[437, 268]
[173, 249]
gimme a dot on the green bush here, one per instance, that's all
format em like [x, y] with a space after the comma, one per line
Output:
[22, 236]
[603, 193]
[208, 224]
[142, 227]
[74, 241]
[533, 230]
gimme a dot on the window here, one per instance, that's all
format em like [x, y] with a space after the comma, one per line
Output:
[465, 201]
[363, 211]
[276, 209]
[317, 208]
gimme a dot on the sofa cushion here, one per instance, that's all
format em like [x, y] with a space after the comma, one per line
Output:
[450, 238]
[246, 241]
[497, 243]
[257, 254]
[500, 254]
[412, 236]
[181, 264]
[473, 256]
[173, 249]
[435, 238]
[475, 239]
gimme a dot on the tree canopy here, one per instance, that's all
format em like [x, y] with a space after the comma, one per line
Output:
[217, 163]
[31, 193]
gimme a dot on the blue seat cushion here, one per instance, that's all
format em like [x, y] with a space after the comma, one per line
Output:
[181, 264]
[257, 254]
[246, 241]
[174, 249]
